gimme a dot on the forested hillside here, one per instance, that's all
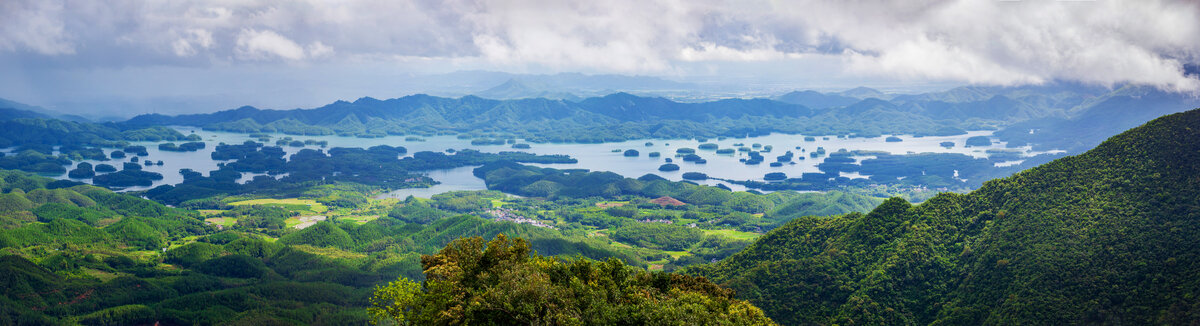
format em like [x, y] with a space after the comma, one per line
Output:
[503, 282]
[1062, 116]
[613, 117]
[1105, 237]
[311, 252]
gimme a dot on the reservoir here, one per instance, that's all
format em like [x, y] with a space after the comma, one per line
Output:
[595, 157]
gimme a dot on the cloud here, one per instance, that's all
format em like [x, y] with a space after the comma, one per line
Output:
[34, 26]
[1105, 42]
[1012, 43]
[191, 42]
[264, 45]
[319, 50]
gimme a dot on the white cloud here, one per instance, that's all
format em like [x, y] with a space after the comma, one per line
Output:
[975, 41]
[35, 26]
[1011, 43]
[319, 50]
[191, 42]
[264, 45]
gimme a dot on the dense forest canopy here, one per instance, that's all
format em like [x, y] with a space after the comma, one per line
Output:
[1103, 237]
[500, 282]
[313, 238]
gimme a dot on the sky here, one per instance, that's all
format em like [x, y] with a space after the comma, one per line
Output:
[120, 57]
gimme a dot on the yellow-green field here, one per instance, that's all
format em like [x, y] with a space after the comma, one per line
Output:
[677, 254]
[313, 205]
[329, 252]
[359, 219]
[734, 234]
[222, 221]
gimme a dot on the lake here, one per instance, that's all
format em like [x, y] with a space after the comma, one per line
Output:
[596, 157]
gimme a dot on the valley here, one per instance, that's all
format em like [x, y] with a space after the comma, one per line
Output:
[303, 228]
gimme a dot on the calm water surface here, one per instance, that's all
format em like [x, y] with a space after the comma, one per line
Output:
[596, 157]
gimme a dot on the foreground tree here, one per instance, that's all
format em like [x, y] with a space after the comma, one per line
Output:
[501, 283]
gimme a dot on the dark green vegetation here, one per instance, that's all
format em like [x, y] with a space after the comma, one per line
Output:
[82, 254]
[30, 131]
[500, 282]
[945, 171]
[35, 137]
[1065, 116]
[126, 178]
[979, 141]
[378, 166]
[1105, 237]
[185, 147]
[721, 206]
[614, 117]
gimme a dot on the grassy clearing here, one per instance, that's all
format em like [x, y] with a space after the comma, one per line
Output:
[100, 275]
[607, 204]
[359, 219]
[222, 221]
[734, 234]
[677, 254]
[330, 252]
[291, 222]
[286, 203]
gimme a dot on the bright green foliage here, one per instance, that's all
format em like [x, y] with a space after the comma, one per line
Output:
[500, 282]
[1105, 237]
[253, 247]
[467, 201]
[260, 216]
[192, 253]
[121, 315]
[323, 234]
[718, 247]
[415, 210]
[60, 196]
[390, 304]
[52, 211]
[15, 201]
[136, 233]
[239, 266]
[658, 236]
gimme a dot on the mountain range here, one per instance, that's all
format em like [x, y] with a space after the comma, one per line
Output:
[1055, 114]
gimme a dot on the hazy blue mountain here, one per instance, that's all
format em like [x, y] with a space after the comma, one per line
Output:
[816, 100]
[11, 113]
[518, 89]
[864, 93]
[1097, 118]
[14, 110]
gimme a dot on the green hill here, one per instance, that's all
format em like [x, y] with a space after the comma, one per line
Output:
[1105, 237]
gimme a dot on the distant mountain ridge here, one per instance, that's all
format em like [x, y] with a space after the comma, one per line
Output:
[613, 117]
[15, 110]
[539, 114]
[576, 86]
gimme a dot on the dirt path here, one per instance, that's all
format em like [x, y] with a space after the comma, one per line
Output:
[307, 221]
